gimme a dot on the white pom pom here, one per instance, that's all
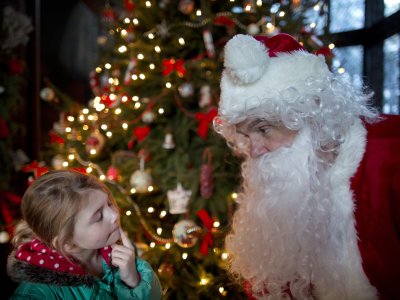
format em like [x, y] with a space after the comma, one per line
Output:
[245, 59]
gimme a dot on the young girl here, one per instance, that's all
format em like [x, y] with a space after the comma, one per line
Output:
[66, 245]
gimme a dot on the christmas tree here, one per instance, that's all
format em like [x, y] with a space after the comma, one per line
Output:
[147, 131]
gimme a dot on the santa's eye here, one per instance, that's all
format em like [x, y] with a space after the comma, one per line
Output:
[265, 129]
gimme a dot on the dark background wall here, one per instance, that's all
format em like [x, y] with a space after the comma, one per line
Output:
[51, 55]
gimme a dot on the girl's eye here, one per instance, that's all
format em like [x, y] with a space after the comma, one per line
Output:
[100, 217]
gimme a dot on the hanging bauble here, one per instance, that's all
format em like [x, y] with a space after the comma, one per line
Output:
[186, 89]
[112, 173]
[148, 116]
[178, 200]
[168, 141]
[102, 40]
[57, 162]
[186, 233]
[2, 89]
[209, 43]
[108, 14]
[47, 94]
[60, 126]
[205, 96]
[95, 143]
[253, 29]
[186, 6]
[206, 175]
[166, 269]
[141, 179]
[129, 70]
[4, 237]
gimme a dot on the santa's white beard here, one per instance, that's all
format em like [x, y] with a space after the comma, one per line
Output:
[281, 236]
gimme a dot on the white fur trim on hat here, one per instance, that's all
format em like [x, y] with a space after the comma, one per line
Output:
[252, 79]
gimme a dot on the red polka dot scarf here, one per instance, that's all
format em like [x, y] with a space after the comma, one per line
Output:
[37, 253]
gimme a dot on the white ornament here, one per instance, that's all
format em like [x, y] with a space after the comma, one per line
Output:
[4, 237]
[141, 180]
[186, 89]
[168, 141]
[148, 116]
[47, 94]
[57, 162]
[178, 200]
[209, 43]
[205, 96]
[253, 29]
[2, 89]
[60, 126]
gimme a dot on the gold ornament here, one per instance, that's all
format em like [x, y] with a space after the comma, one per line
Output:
[186, 233]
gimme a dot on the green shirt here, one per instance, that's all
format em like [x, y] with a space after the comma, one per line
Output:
[109, 287]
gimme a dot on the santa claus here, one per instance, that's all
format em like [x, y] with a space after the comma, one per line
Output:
[319, 206]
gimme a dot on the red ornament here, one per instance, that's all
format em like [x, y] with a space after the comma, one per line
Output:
[108, 14]
[204, 121]
[206, 177]
[55, 138]
[223, 20]
[141, 132]
[208, 223]
[129, 5]
[37, 169]
[112, 173]
[173, 65]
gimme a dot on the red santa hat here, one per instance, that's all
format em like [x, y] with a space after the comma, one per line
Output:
[258, 69]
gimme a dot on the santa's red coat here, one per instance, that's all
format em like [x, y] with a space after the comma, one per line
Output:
[376, 187]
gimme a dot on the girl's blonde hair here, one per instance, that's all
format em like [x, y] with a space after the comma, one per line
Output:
[50, 204]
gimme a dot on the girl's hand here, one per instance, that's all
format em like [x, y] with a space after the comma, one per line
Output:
[123, 257]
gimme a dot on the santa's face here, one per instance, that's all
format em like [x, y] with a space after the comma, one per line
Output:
[264, 137]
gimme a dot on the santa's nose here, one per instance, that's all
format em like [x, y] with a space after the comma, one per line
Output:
[257, 147]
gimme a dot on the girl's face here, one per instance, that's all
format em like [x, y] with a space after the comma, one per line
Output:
[264, 137]
[97, 223]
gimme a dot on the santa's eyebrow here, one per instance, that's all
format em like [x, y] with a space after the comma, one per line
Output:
[254, 123]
